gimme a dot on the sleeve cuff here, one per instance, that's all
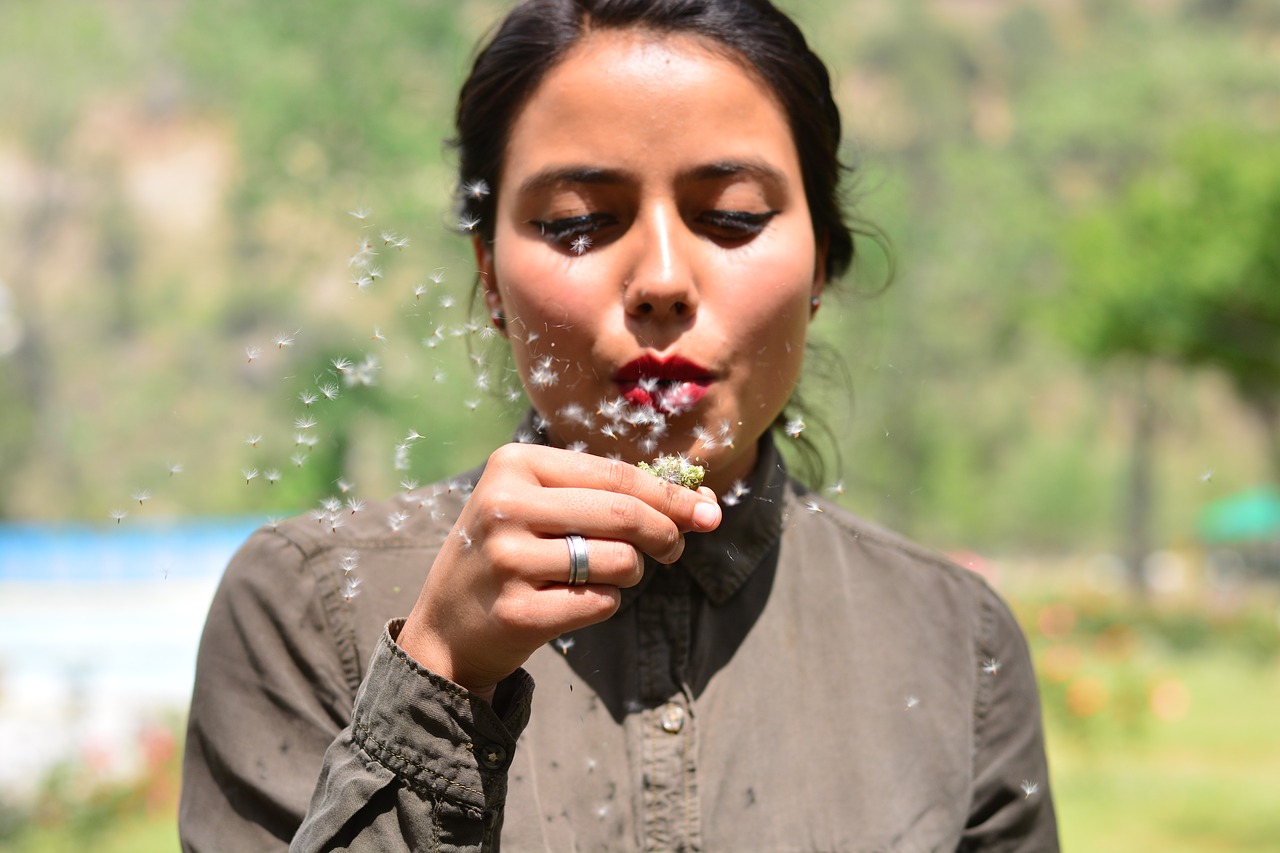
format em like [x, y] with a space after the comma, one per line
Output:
[434, 734]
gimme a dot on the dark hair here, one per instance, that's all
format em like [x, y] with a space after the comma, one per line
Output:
[537, 34]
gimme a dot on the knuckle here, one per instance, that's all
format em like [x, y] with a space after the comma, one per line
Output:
[503, 554]
[621, 477]
[624, 513]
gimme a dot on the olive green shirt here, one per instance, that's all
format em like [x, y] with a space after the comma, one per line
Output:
[799, 681]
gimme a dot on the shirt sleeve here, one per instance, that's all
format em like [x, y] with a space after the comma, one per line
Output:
[1012, 808]
[423, 764]
[274, 750]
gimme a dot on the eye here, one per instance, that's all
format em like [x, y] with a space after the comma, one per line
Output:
[575, 233]
[734, 226]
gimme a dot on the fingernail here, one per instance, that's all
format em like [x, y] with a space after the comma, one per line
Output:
[706, 515]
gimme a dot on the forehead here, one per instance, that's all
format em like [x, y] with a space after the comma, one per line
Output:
[650, 97]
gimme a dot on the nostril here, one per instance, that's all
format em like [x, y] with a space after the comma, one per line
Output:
[680, 308]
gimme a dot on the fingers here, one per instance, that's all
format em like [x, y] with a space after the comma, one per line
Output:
[609, 562]
[554, 468]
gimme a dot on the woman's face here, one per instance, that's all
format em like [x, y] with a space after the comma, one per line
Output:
[653, 254]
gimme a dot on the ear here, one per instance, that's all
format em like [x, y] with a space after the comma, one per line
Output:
[488, 282]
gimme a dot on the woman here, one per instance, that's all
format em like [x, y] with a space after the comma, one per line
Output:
[653, 191]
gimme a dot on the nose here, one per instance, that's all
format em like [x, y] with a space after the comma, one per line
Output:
[661, 284]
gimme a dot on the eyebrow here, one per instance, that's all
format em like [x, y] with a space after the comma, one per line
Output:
[555, 176]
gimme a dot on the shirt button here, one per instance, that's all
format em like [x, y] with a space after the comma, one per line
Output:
[493, 756]
[672, 718]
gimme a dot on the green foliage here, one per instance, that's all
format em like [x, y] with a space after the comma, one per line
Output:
[1185, 265]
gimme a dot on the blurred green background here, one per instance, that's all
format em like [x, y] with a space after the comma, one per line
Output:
[1070, 384]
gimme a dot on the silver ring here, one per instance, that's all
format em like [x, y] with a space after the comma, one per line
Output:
[577, 559]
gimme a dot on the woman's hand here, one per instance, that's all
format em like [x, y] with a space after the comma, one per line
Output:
[499, 588]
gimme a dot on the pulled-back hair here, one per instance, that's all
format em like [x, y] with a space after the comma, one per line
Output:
[537, 34]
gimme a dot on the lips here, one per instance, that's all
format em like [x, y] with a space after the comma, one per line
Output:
[669, 385]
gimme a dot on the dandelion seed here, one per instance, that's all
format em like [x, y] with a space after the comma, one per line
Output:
[1028, 788]
[335, 521]
[542, 375]
[119, 515]
[477, 189]
[471, 404]
[736, 493]
[284, 339]
[466, 537]
[1206, 476]
[361, 213]
[991, 666]
[439, 376]
[396, 520]
[331, 504]
[375, 273]
[298, 459]
[400, 244]
[249, 474]
[912, 702]
[350, 562]
[252, 352]
[350, 588]
[253, 440]
[363, 282]
[577, 447]
[377, 334]
[466, 222]
[308, 397]
[273, 522]
[355, 504]
[329, 391]
[175, 468]
[302, 439]
[342, 365]
[141, 496]
[272, 476]
[838, 488]
[388, 237]
[409, 485]
[794, 427]
[580, 244]
[447, 301]
[344, 486]
[418, 290]
[437, 276]
[563, 644]
[812, 506]
[306, 422]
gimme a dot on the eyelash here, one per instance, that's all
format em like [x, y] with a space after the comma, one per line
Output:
[730, 225]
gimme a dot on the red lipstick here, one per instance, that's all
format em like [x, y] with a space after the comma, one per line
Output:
[669, 385]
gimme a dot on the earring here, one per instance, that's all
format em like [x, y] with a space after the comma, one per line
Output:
[814, 303]
[499, 322]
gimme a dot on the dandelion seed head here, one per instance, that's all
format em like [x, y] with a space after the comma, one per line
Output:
[1028, 788]
[991, 666]
[141, 496]
[361, 213]
[272, 476]
[477, 189]
[119, 515]
[794, 427]
[252, 352]
[249, 474]
[580, 244]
